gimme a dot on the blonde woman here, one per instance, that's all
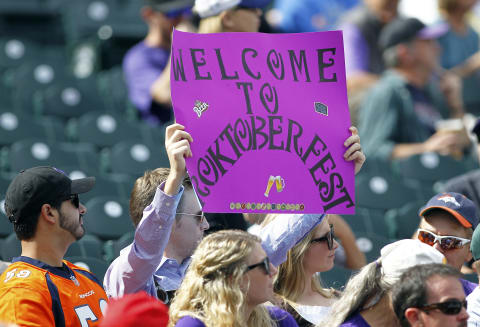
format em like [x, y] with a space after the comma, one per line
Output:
[297, 284]
[229, 15]
[229, 278]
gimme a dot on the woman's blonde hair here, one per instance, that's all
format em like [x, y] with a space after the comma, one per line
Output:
[211, 290]
[289, 282]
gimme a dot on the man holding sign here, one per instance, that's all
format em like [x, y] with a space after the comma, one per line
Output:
[312, 174]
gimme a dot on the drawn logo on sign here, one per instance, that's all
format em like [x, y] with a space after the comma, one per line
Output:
[321, 108]
[279, 184]
[200, 107]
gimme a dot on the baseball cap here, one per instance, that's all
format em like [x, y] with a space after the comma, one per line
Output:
[170, 7]
[135, 310]
[207, 8]
[33, 187]
[403, 30]
[458, 205]
[398, 256]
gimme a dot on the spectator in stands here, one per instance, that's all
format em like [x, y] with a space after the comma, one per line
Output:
[460, 50]
[229, 15]
[398, 118]
[366, 298]
[468, 184]
[39, 287]
[430, 295]
[167, 232]
[473, 298]
[308, 15]
[447, 223]
[361, 28]
[297, 284]
[147, 65]
[135, 310]
[228, 280]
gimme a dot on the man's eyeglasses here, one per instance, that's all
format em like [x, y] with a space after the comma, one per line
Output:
[450, 307]
[265, 264]
[74, 199]
[200, 218]
[446, 242]
[328, 237]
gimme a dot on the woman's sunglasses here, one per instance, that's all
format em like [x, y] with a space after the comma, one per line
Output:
[265, 264]
[450, 307]
[328, 237]
[446, 242]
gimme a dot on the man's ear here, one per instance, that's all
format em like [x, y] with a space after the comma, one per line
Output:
[413, 316]
[49, 213]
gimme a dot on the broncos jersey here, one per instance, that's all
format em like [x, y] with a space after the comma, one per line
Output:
[33, 293]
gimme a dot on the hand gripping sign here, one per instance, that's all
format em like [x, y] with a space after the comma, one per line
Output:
[268, 114]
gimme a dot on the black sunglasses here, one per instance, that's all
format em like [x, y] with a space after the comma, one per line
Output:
[328, 237]
[265, 264]
[450, 307]
[75, 200]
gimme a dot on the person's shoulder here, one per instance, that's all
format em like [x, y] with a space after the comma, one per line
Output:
[22, 274]
[281, 317]
[188, 321]
[468, 286]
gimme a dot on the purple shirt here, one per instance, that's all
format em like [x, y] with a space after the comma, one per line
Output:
[468, 286]
[142, 263]
[356, 50]
[283, 319]
[355, 321]
[142, 66]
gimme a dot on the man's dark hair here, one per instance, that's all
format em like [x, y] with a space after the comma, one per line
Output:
[26, 227]
[411, 290]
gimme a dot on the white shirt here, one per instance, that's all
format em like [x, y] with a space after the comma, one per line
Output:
[473, 309]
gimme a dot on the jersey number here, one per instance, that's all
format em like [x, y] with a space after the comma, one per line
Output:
[85, 313]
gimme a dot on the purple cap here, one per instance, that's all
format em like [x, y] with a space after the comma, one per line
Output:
[457, 205]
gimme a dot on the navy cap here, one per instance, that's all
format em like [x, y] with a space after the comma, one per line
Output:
[207, 8]
[402, 30]
[458, 205]
[34, 187]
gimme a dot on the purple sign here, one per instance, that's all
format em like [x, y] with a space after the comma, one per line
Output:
[268, 114]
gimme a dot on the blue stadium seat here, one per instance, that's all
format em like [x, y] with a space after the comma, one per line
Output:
[106, 129]
[134, 158]
[29, 153]
[107, 218]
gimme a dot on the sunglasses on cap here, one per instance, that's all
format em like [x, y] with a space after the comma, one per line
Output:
[445, 242]
[265, 264]
[450, 307]
[328, 237]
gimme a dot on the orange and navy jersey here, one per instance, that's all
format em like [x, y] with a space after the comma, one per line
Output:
[33, 293]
